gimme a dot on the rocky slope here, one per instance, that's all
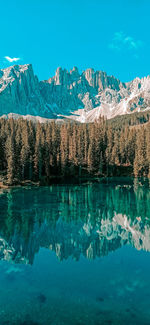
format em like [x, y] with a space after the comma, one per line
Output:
[69, 94]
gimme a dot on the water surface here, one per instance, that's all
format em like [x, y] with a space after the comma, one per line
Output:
[75, 254]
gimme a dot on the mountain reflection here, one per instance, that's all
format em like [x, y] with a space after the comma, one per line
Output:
[89, 220]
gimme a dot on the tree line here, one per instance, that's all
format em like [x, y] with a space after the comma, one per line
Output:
[40, 152]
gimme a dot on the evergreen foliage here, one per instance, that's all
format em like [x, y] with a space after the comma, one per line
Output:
[40, 152]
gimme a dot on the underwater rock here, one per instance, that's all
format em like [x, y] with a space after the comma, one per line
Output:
[13, 269]
[11, 277]
[42, 298]
[99, 299]
[128, 310]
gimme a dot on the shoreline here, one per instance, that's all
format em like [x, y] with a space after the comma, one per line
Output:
[74, 181]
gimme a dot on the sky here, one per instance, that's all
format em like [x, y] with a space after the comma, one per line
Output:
[108, 35]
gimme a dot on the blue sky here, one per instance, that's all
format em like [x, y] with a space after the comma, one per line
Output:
[109, 35]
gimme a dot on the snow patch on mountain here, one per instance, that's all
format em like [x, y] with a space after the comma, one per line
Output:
[81, 97]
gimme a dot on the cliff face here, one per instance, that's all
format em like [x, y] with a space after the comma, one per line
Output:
[19, 91]
[82, 97]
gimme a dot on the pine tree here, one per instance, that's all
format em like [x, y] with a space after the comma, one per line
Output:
[48, 150]
[108, 152]
[148, 148]
[64, 149]
[38, 154]
[140, 153]
[91, 149]
[9, 152]
[115, 150]
[25, 151]
[39, 151]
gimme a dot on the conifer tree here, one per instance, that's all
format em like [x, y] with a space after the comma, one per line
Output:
[140, 153]
[148, 148]
[9, 152]
[64, 148]
[25, 151]
[40, 151]
[91, 149]
[38, 154]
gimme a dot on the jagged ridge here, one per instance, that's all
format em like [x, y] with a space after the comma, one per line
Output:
[82, 97]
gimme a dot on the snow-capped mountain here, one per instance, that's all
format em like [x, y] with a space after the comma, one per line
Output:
[69, 94]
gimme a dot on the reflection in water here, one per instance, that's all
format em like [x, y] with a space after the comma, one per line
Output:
[89, 220]
[99, 232]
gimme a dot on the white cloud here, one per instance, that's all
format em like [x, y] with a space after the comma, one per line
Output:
[121, 41]
[11, 59]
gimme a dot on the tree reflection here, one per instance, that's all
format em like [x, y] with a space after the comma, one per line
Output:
[89, 220]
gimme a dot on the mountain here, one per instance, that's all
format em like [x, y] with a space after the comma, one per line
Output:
[69, 94]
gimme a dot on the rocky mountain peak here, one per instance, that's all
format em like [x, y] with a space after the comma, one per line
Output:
[80, 96]
[19, 89]
[59, 76]
[11, 73]
[74, 73]
[90, 76]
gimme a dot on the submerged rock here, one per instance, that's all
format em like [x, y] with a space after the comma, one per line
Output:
[42, 298]
[13, 269]
[100, 299]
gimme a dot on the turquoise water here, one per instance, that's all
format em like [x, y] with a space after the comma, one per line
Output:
[75, 254]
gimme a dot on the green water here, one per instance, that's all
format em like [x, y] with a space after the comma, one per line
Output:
[75, 254]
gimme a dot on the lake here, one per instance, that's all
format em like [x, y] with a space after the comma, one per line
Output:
[75, 254]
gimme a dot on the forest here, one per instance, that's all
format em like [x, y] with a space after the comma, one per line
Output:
[71, 151]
